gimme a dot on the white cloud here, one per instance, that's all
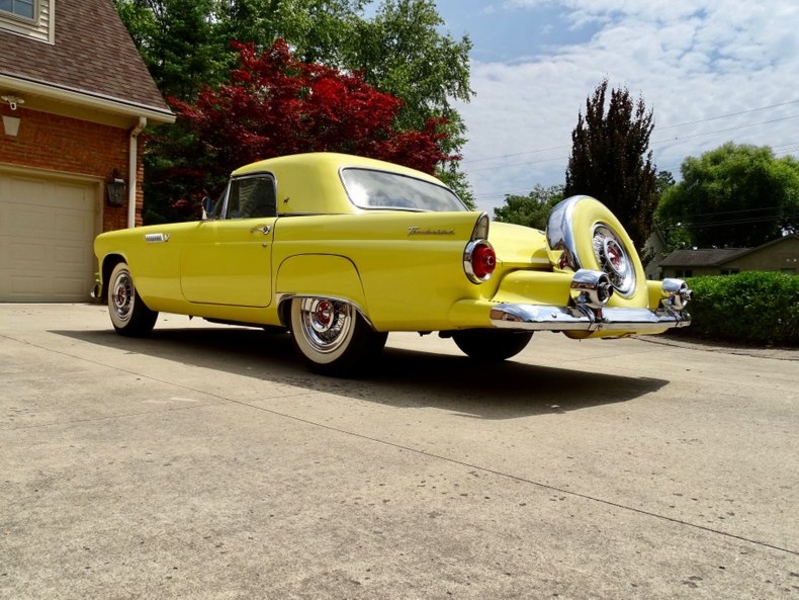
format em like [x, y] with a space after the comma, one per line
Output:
[689, 60]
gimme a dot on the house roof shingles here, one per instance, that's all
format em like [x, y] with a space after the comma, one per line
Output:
[701, 258]
[93, 54]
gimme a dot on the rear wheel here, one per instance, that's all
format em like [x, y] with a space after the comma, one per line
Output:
[491, 344]
[129, 315]
[332, 337]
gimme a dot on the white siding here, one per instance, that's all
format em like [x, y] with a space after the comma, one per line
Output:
[43, 29]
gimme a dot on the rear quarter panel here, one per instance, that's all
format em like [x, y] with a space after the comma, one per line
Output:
[410, 265]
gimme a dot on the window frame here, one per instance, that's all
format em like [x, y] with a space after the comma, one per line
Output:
[233, 188]
[15, 16]
[347, 183]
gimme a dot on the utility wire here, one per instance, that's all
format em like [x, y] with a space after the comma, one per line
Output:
[676, 125]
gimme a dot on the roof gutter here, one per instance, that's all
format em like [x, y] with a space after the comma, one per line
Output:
[101, 102]
[133, 164]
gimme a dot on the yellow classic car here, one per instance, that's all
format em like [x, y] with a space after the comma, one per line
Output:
[341, 250]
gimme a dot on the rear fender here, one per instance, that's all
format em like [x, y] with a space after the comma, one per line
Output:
[321, 275]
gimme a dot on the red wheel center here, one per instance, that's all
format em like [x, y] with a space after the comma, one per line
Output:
[614, 254]
[324, 313]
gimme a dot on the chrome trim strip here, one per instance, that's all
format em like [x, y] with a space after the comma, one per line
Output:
[534, 317]
[282, 297]
[156, 238]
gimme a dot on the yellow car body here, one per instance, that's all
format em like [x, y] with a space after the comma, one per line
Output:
[347, 249]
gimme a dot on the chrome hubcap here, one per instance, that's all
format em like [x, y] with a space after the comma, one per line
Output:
[614, 260]
[325, 323]
[122, 296]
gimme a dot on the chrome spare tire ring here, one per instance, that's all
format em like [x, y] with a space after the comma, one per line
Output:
[582, 233]
[613, 259]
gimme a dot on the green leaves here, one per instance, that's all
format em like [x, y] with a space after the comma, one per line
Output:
[531, 210]
[736, 196]
[275, 105]
[399, 51]
[752, 307]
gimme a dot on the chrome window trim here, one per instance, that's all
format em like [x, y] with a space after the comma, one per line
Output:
[396, 173]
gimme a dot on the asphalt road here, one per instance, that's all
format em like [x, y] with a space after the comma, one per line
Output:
[206, 462]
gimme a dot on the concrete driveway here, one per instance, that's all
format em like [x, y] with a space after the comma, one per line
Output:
[206, 462]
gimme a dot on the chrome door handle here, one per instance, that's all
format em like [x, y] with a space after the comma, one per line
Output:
[263, 229]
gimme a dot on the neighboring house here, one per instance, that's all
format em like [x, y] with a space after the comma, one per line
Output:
[654, 253]
[74, 96]
[781, 254]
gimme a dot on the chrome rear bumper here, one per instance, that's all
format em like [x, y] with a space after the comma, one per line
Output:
[534, 317]
[590, 291]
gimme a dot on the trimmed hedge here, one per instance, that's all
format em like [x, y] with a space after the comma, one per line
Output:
[753, 308]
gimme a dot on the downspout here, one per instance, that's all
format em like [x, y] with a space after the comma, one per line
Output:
[133, 163]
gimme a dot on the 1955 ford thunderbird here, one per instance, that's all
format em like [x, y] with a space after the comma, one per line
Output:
[341, 250]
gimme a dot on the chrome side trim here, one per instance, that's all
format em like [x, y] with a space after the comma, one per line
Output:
[559, 232]
[535, 317]
[156, 238]
[287, 296]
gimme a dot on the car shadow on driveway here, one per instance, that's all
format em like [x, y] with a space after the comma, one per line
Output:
[401, 378]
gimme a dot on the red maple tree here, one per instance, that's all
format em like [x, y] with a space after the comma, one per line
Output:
[275, 105]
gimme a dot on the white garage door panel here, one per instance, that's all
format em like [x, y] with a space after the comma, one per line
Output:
[46, 233]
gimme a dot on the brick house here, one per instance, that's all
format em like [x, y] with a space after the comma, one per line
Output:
[74, 96]
[781, 255]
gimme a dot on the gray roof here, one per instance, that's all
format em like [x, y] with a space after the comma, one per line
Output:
[93, 54]
[701, 258]
[715, 257]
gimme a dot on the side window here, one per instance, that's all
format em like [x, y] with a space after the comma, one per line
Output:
[252, 198]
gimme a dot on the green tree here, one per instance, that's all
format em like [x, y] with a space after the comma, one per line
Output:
[177, 41]
[400, 50]
[531, 210]
[611, 160]
[319, 31]
[733, 196]
[275, 105]
[663, 181]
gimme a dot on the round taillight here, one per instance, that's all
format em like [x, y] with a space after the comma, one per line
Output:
[480, 260]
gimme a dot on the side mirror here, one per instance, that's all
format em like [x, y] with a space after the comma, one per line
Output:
[208, 208]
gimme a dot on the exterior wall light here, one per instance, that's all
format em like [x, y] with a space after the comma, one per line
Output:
[117, 189]
[11, 124]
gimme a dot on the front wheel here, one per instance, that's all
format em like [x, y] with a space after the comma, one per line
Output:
[333, 337]
[490, 344]
[129, 315]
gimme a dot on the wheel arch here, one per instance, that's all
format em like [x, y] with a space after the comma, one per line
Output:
[109, 262]
[320, 276]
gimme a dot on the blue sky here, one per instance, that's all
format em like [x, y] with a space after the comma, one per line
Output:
[711, 70]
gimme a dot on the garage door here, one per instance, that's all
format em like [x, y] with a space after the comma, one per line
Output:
[46, 232]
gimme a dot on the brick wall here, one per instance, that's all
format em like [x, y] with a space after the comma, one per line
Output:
[67, 145]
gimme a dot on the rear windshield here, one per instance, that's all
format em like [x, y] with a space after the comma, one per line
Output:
[367, 188]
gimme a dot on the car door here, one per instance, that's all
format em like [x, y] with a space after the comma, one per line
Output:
[228, 259]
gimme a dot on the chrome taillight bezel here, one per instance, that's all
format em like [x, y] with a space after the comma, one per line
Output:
[478, 239]
[468, 261]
